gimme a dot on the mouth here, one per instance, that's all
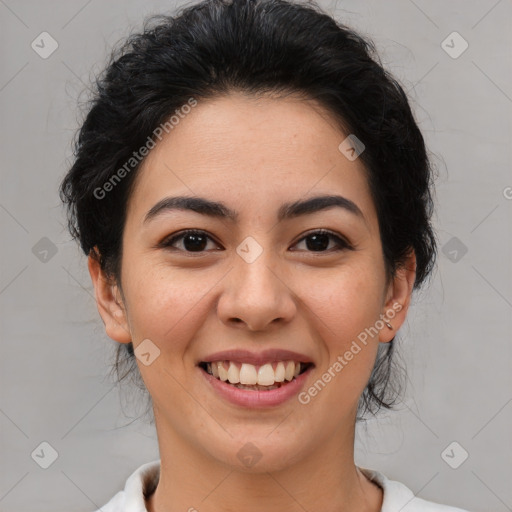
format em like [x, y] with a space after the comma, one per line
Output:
[265, 377]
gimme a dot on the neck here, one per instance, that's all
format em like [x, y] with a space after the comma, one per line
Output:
[326, 479]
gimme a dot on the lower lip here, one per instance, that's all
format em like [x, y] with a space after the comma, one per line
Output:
[257, 399]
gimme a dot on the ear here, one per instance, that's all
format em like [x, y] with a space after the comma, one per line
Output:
[398, 298]
[109, 301]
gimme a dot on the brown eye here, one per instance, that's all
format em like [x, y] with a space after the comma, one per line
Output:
[192, 241]
[318, 241]
[197, 241]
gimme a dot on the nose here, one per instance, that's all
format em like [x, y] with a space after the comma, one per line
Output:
[256, 295]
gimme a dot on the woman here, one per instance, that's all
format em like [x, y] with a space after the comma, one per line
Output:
[222, 146]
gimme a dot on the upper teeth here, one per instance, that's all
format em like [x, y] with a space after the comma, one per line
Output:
[245, 373]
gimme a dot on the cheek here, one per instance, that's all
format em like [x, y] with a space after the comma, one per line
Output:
[345, 307]
[346, 300]
[164, 305]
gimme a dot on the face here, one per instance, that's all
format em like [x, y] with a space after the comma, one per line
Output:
[261, 280]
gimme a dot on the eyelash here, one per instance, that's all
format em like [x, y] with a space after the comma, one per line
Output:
[341, 243]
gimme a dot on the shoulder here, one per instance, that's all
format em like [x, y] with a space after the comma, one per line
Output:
[141, 482]
[398, 497]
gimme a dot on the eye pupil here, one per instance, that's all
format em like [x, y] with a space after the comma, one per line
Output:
[320, 242]
[198, 242]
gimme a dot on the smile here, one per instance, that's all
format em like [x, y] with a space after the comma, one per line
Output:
[271, 375]
[239, 383]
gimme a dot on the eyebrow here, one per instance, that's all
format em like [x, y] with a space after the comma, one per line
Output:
[220, 210]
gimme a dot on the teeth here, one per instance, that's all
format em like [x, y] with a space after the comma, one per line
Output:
[266, 375]
[223, 374]
[234, 374]
[290, 370]
[280, 372]
[247, 374]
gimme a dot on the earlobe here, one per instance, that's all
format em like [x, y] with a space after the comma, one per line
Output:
[398, 298]
[109, 302]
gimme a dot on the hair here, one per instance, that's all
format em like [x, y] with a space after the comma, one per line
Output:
[215, 47]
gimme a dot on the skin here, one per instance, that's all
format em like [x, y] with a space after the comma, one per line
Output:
[253, 154]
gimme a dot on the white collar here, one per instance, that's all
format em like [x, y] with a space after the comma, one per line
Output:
[143, 481]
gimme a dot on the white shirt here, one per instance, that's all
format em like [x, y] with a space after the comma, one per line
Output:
[396, 496]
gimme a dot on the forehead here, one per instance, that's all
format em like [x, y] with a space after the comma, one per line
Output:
[250, 152]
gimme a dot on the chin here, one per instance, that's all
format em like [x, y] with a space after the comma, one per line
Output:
[257, 453]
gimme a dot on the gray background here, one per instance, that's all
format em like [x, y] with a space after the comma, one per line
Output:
[54, 384]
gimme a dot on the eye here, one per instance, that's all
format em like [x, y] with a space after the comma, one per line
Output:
[318, 241]
[193, 240]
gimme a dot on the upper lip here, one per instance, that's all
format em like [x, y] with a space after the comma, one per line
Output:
[256, 358]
